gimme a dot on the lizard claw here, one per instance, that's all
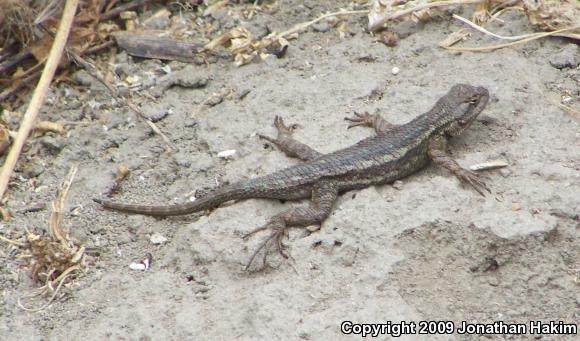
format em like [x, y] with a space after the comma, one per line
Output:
[279, 230]
[283, 128]
[283, 131]
[359, 119]
[474, 181]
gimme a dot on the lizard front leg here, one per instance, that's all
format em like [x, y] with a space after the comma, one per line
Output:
[367, 120]
[438, 154]
[289, 145]
[323, 197]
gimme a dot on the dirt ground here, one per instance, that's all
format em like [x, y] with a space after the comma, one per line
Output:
[426, 248]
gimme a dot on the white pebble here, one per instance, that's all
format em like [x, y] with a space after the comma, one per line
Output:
[137, 266]
[226, 154]
[395, 70]
[132, 79]
[157, 239]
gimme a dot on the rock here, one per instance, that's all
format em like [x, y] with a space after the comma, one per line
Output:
[182, 159]
[569, 56]
[157, 239]
[321, 26]
[227, 154]
[33, 170]
[505, 172]
[82, 77]
[398, 185]
[70, 93]
[155, 113]
[258, 30]
[190, 77]
[225, 20]
[137, 266]
[310, 4]
[158, 21]
[52, 144]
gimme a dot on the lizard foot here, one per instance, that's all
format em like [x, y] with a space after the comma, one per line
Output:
[473, 180]
[279, 231]
[283, 130]
[360, 119]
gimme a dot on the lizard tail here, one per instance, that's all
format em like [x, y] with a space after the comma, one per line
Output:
[211, 200]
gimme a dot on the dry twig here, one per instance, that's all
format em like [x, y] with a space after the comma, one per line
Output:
[531, 37]
[484, 31]
[379, 24]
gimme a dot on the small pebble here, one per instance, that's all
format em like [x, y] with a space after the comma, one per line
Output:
[389, 38]
[516, 206]
[568, 57]
[395, 70]
[137, 266]
[227, 154]
[321, 26]
[157, 239]
[398, 185]
[142, 264]
[133, 79]
[215, 100]
[493, 281]
[33, 170]
[505, 172]
[52, 144]
[313, 228]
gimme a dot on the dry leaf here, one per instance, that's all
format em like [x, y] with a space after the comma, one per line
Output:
[455, 37]
[40, 48]
[226, 38]
[47, 126]
[381, 9]
[245, 49]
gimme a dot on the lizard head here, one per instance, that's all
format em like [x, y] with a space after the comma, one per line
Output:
[465, 102]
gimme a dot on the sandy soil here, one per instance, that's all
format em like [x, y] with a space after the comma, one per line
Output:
[425, 249]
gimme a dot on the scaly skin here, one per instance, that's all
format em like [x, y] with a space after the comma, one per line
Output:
[395, 152]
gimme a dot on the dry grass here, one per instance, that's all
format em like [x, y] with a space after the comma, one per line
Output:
[54, 259]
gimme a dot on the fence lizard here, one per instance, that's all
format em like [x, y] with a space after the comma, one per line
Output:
[393, 153]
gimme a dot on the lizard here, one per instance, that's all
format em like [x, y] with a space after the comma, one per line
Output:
[394, 152]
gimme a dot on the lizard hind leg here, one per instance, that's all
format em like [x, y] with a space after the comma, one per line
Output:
[323, 196]
[287, 144]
